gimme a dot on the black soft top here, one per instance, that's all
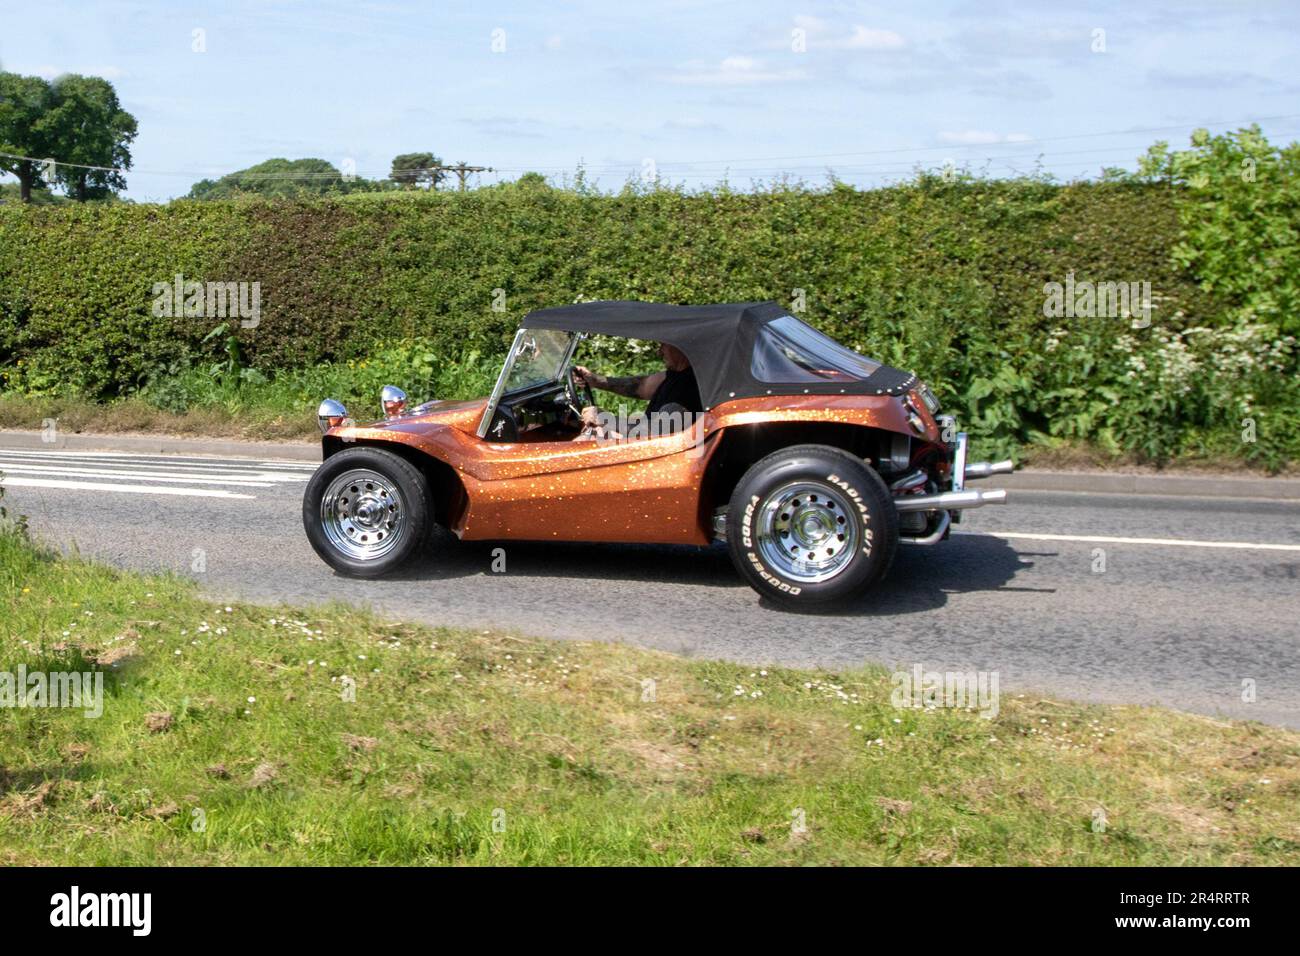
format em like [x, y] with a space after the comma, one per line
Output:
[719, 340]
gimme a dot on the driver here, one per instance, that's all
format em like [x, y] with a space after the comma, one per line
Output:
[672, 392]
[673, 389]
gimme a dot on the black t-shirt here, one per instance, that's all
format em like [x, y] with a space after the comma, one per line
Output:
[677, 388]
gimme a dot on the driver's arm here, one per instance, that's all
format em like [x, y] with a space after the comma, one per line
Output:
[632, 386]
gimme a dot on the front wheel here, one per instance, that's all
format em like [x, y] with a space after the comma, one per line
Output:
[811, 525]
[365, 511]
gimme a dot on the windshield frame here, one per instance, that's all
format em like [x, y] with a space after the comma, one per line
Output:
[516, 347]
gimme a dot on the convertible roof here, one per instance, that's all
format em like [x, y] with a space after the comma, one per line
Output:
[718, 340]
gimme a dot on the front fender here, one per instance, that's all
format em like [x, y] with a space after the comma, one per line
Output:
[446, 489]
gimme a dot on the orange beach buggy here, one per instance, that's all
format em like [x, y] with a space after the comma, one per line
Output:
[811, 461]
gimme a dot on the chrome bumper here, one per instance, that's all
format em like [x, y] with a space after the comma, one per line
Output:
[948, 504]
[964, 471]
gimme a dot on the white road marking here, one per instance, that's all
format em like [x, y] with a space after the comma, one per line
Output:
[127, 489]
[173, 461]
[175, 467]
[253, 481]
[1160, 542]
[134, 473]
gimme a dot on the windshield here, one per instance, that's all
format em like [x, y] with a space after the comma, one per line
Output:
[538, 358]
[788, 351]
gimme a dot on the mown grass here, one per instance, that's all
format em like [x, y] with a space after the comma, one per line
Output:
[489, 748]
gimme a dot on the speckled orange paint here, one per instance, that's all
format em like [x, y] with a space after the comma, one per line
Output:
[647, 490]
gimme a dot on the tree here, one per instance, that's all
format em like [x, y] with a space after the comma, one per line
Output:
[282, 179]
[76, 120]
[417, 169]
[12, 193]
[24, 103]
[1237, 203]
[88, 127]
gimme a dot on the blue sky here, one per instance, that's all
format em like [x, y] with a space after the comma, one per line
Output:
[701, 90]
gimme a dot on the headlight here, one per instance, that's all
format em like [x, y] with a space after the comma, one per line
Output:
[330, 414]
[914, 413]
[947, 428]
[927, 396]
[393, 400]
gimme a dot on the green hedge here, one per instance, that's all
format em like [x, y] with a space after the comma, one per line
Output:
[945, 278]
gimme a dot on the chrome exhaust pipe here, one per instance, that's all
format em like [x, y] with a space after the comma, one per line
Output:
[913, 480]
[985, 469]
[950, 500]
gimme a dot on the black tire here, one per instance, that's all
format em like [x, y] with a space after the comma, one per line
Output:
[811, 525]
[380, 516]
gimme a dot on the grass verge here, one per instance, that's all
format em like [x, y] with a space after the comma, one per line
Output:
[136, 416]
[226, 738]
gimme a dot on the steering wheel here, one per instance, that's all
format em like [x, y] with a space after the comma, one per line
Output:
[578, 396]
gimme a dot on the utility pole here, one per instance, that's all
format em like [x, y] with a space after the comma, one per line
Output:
[461, 170]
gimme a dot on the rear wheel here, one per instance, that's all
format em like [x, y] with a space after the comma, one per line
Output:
[365, 511]
[811, 524]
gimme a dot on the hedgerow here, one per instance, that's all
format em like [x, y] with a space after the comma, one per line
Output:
[944, 277]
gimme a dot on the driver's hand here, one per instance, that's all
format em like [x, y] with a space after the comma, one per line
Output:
[593, 427]
[587, 376]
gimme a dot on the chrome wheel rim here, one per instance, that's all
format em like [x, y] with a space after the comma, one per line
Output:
[363, 514]
[807, 532]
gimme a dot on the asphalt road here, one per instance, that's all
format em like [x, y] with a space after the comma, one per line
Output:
[1172, 618]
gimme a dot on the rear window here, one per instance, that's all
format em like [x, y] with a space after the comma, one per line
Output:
[787, 351]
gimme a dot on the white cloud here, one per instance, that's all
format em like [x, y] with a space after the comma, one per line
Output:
[691, 123]
[733, 71]
[981, 137]
[1020, 42]
[821, 34]
[867, 38]
[48, 72]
